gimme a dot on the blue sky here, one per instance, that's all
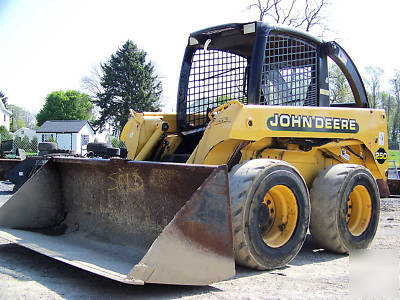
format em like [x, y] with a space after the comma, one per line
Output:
[49, 45]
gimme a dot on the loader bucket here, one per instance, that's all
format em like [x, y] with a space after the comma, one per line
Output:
[134, 222]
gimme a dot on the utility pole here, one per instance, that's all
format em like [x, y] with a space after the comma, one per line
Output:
[12, 120]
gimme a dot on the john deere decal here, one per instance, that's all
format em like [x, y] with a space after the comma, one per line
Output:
[286, 122]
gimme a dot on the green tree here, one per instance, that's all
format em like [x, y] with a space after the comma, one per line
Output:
[17, 124]
[33, 145]
[3, 98]
[69, 105]
[394, 125]
[127, 82]
[21, 118]
[387, 104]
[17, 143]
[115, 142]
[4, 134]
[25, 143]
[372, 78]
[339, 88]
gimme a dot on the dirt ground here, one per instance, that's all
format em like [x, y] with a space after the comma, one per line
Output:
[313, 274]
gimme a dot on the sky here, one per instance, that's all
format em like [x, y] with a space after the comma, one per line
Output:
[48, 45]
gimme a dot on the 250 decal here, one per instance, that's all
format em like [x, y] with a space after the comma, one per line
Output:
[381, 155]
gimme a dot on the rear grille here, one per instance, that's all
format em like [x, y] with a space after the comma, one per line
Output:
[289, 75]
[215, 78]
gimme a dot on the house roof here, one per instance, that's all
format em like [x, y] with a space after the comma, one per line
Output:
[3, 108]
[25, 129]
[62, 126]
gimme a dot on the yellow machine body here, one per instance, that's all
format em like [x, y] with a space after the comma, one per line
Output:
[356, 136]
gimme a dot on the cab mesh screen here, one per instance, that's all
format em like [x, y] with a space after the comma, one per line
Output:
[289, 75]
[215, 78]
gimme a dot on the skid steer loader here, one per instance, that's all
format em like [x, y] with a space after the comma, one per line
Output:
[255, 153]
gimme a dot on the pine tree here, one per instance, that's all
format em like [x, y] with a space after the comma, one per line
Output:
[34, 143]
[128, 82]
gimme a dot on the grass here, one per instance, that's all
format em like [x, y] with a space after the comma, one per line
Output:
[395, 155]
[30, 153]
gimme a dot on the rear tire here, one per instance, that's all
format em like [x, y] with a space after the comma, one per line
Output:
[113, 152]
[100, 148]
[47, 146]
[344, 208]
[270, 213]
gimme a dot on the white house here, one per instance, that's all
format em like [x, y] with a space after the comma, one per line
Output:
[25, 131]
[68, 134]
[5, 115]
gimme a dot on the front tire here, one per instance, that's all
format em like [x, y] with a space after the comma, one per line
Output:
[344, 208]
[270, 213]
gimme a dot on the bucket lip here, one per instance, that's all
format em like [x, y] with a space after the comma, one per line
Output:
[13, 236]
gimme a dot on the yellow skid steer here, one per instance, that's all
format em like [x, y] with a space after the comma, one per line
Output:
[256, 155]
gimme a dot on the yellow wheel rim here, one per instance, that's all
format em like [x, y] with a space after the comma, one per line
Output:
[283, 214]
[359, 210]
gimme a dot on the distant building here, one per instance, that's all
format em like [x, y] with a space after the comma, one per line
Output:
[25, 131]
[5, 115]
[105, 136]
[68, 134]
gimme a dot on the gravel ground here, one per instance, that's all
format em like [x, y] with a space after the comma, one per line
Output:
[313, 274]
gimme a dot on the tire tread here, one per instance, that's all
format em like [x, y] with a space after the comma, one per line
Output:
[325, 201]
[241, 178]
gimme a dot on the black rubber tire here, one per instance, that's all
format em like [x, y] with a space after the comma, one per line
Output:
[64, 151]
[249, 182]
[47, 146]
[100, 148]
[113, 152]
[123, 152]
[329, 194]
